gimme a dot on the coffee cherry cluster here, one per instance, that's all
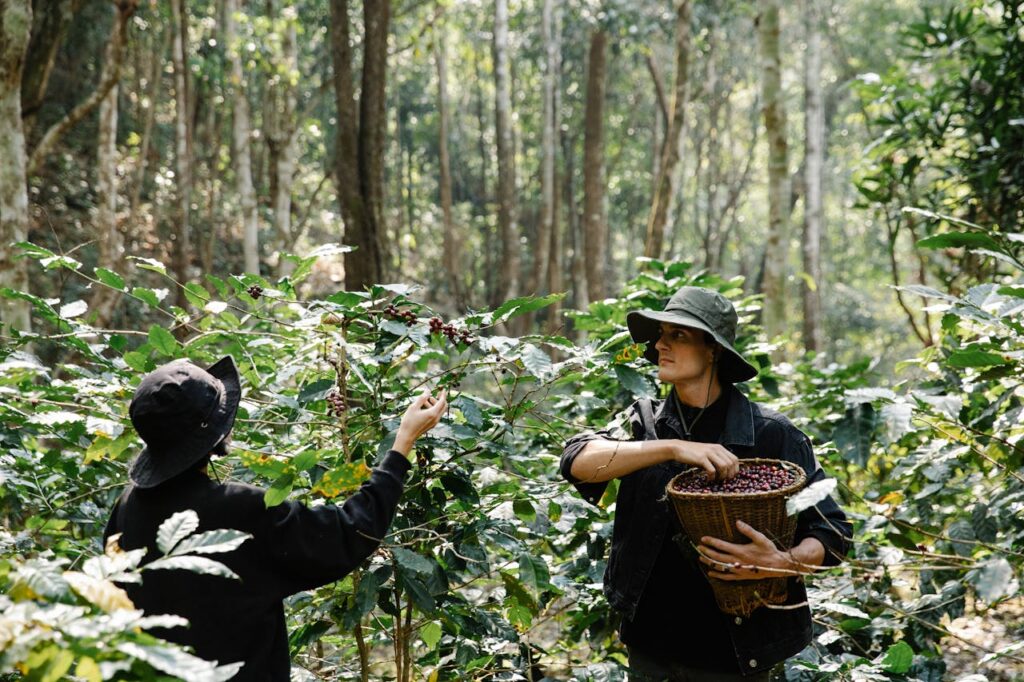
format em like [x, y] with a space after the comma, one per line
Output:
[255, 291]
[336, 403]
[406, 316]
[754, 478]
[438, 326]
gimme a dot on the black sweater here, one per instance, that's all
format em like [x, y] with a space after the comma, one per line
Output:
[293, 548]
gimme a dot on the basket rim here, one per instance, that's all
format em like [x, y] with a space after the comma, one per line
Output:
[801, 479]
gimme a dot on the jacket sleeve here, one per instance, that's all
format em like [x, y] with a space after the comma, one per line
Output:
[625, 427]
[313, 546]
[824, 521]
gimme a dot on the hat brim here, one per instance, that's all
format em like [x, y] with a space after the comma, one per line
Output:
[154, 465]
[645, 327]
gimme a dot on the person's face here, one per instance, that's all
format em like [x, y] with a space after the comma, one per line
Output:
[683, 354]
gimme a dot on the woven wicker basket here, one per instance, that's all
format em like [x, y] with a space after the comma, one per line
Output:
[715, 515]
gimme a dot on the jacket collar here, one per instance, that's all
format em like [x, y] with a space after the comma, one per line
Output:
[739, 418]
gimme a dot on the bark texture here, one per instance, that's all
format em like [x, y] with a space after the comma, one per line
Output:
[360, 140]
[50, 22]
[814, 151]
[666, 181]
[450, 256]
[774, 112]
[594, 228]
[183, 162]
[508, 232]
[15, 29]
[281, 134]
[242, 143]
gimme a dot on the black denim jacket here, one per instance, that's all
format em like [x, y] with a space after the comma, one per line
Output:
[643, 516]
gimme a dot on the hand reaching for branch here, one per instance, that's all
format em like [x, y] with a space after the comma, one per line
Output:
[422, 415]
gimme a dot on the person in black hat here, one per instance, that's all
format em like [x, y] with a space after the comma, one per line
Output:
[184, 413]
[671, 625]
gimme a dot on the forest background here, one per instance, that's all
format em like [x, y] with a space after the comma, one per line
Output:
[188, 180]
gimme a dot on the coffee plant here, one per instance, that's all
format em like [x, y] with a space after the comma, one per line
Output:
[493, 567]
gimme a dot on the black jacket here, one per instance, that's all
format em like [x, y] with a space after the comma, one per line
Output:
[643, 515]
[293, 548]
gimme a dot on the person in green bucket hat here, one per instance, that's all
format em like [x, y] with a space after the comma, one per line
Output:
[671, 625]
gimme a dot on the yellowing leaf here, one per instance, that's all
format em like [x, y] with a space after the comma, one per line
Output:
[88, 670]
[342, 479]
[102, 593]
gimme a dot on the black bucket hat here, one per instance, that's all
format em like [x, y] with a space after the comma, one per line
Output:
[702, 309]
[181, 411]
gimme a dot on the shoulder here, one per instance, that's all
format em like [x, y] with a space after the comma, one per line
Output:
[769, 423]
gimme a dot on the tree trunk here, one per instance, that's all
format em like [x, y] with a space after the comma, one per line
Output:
[108, 235]
[15, 29]
[814, 154]
[508, 232]
[50, 22]
[542, 254]
[183, 163]
[150, 99]
[359, 162]
[282, 138]
[594, 246]
[574, 228]
[774, 111]
[665, 183]
[241, 138]
[554, 274]
[450, 258]
[125, 9]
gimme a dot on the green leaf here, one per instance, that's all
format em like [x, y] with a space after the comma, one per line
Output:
[163, 341]
[633, 381]
[180, 664]
[993, 579]
[110, 278]
[136, 360]
[524, 510]
[431, 634]
[73, 309]
[150, 297]
[958, 239]
[521, 306]
[536, 361]
[898, 658]
[975, 358]
[412, 562]
[197, 295]
[420, 594]
[533, 571]
[278, 492]
[212, 542]
[195, 564]
[150, 264]
[175, 529]
[316, 390]
[305, 460]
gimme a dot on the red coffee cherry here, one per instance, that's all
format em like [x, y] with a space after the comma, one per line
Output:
[754, 478]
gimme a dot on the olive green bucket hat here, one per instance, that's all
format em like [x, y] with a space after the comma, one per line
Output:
[702, 309]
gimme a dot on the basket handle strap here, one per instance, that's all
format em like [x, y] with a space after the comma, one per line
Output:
[647, 416]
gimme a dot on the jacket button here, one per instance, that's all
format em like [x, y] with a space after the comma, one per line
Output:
[739, 621]
[753, 663]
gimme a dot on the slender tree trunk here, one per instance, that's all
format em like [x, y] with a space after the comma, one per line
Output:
[284, 137]
[108, 235]
[360, 141]
[574, 227]
[814, 153]
[450, 258]
[241, 137]
[665, 185]
[125, 9]
[508, 282]
[372, 139]
[183, 162]
[50, 22]
[595, 247]
[545, 226]
[554, 274]
[774, 111]
[15, 29]
[150, 100]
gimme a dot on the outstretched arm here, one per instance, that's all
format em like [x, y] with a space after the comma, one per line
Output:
[602, 460]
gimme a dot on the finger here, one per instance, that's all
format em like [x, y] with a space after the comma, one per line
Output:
[722, 464]
[752, 533]
[421, 399]
[722, 545]
[719, 557]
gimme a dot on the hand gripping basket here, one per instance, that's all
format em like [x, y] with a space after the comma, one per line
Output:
[715, 515]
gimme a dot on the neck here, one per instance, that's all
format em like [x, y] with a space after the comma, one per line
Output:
[698, 393]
